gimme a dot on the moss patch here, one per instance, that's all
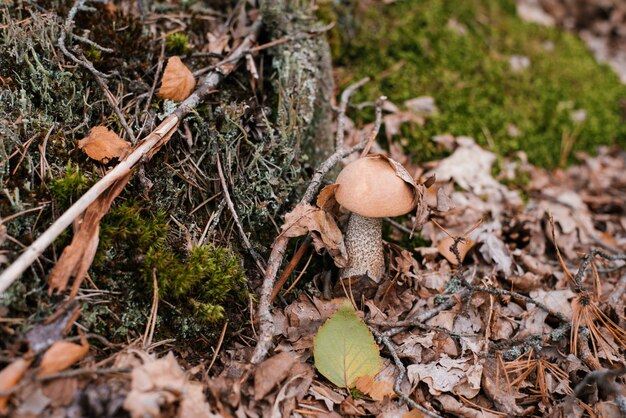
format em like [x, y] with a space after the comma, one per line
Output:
[460, 53]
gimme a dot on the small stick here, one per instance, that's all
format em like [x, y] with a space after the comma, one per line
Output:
[84, 62]
[377, 123]
[290, 267]
[343, 106]
[295, 282]
[233, 212]
[219, 346]
[401, 373]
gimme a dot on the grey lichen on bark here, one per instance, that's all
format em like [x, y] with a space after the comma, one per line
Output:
[364, 245]
[304, 79]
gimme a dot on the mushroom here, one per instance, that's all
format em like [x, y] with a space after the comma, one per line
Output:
[372, 187]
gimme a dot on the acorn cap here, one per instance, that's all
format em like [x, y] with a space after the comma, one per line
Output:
[376, 186]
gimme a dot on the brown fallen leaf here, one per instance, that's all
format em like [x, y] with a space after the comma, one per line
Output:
[61, 355]
[77, 257]
[178, 81]
[161, 382]
[11, 376]
[376, 389]
[323, 228]
[271, 372]
[103, 145]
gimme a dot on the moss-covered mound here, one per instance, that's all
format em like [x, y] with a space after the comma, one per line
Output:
[470, 56]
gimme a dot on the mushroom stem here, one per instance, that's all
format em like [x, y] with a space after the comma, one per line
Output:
[364, 245]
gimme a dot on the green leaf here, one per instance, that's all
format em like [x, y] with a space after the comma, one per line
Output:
[344, 349]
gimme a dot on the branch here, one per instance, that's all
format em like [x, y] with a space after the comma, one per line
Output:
[401, 373]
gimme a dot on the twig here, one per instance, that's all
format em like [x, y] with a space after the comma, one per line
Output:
[84, 62]
[343, 105]
[67, 28]
[217, 349]
[377, 123]
[420, 319]
[589, 257]
[152, 319]
[266, 322]
[290, 267]
[228, 60]
[401, 373]
[233, 212]
[145, 148]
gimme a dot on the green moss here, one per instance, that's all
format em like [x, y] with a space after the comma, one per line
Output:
[207, 277]
[72, 185]
[128, 226]
[177, 43]
[411, 48]
[94, 55]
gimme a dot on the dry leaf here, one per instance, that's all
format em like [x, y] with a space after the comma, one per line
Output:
[11, 376]
[374, 388]
[178, 81]
[44, 335]
[162, 382]
[464, 246]
[323, 228]
[77, 257]
[103, 145]
[271, 372]
[217, 43]
[61, 355]
[326, 198]
[447, 375]
[423, 105]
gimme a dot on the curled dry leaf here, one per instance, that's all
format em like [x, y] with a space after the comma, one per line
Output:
[323, 228]
[11, 376]
[103, 145]
[178, 81]
[61, 355]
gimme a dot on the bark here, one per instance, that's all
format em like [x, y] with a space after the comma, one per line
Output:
[304, 79]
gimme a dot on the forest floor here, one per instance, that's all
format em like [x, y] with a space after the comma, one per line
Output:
[207, 283]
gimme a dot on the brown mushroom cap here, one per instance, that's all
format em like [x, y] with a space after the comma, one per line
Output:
[371, 187]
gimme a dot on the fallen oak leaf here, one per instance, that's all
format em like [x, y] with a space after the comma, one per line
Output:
[11, 376]
[61, 355]
[178, 81]
[102, 144]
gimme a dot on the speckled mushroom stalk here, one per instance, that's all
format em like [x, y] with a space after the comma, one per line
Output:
[364, 247]
[372, 188]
